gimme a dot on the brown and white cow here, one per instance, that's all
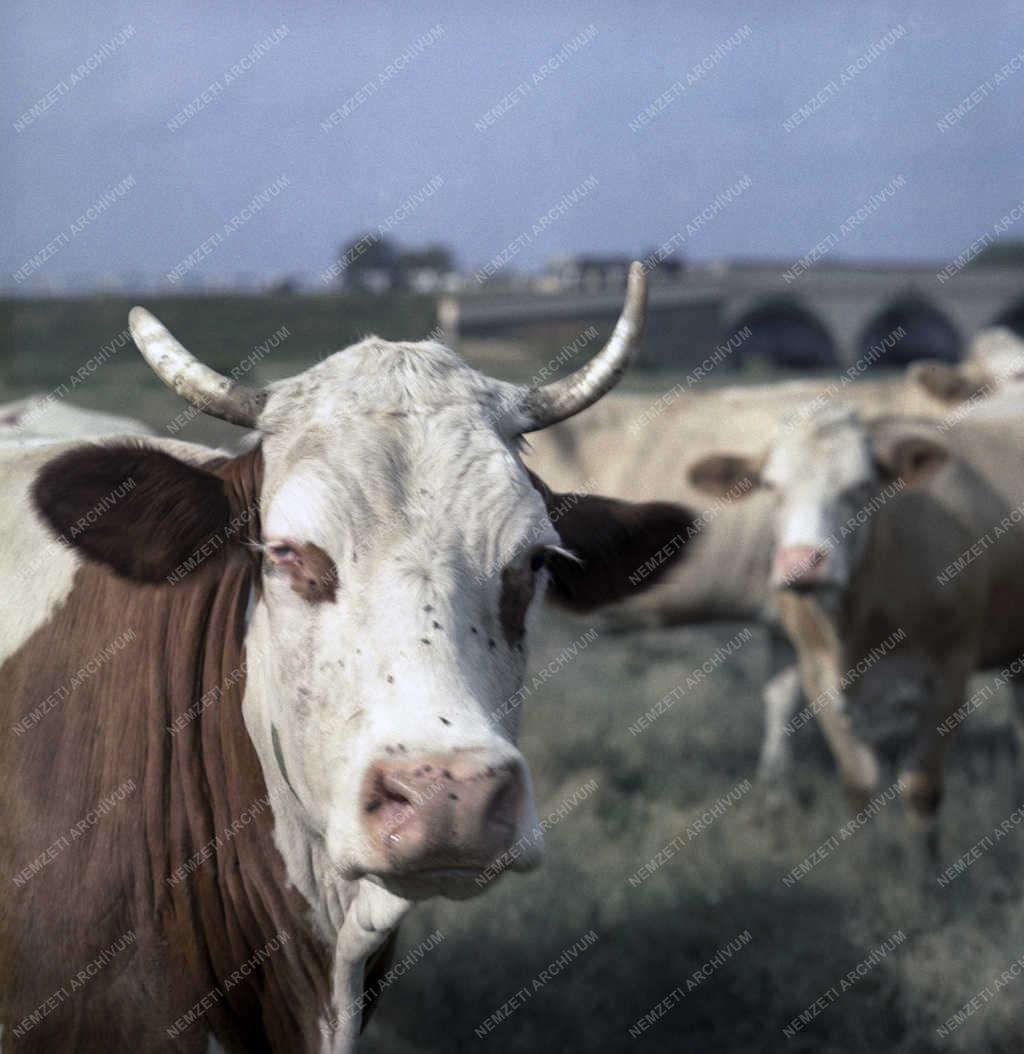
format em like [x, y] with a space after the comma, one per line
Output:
[875, 523]
[252, 708]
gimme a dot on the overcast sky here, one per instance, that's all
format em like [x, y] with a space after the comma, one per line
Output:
[579, 77]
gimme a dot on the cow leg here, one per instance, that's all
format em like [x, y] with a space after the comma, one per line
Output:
[921, 788]
[782, 696]
[821, 657]
[371, 918]
[921, 776]
[858, 765]
[1017, 713]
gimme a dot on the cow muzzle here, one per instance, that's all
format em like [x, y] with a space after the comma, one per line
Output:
[804, 568]
[439, 818]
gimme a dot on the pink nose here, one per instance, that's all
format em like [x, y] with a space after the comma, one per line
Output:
[451, 811]
[796, 565]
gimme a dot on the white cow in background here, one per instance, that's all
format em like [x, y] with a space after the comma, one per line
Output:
[899, 557]
[641, 447]
[38, 418]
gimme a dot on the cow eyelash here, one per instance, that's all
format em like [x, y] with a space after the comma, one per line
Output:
[279, 551]
[547, 551]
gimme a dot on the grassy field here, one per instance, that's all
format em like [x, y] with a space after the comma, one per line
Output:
[654, 935]
[45, 341]
[744, 953]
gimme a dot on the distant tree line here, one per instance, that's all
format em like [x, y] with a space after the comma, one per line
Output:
[375, 264]
[1001, 254]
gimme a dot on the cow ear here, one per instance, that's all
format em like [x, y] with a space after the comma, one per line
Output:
[139, 511]
[726, 475]
[619, 548]
[949, 384]
[908, 450]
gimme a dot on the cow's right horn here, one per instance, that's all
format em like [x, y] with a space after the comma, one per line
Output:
[183, 373]
[560, 399]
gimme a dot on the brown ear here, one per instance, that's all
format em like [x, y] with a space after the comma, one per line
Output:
[908, 449]
[948, 384]
[726, 475]
[622, 548]
[139, 511]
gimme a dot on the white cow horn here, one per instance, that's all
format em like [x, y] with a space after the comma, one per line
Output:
[558, 400]
[183, 373]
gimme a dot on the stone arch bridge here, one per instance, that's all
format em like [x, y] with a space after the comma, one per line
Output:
[829, 317]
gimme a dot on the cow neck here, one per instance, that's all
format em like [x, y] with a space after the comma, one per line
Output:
[187, 860]
[239, 900]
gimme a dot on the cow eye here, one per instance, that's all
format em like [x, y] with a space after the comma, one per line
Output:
[538, 560]
[281, 552]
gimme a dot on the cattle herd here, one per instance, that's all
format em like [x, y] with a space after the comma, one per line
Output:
[265, 687]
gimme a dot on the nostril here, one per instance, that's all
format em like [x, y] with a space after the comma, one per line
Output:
[390, 801]
[396, 797]
[393, 790]
[503, 809]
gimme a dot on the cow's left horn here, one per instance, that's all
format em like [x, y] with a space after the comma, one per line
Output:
[558, 400]
[183, 373]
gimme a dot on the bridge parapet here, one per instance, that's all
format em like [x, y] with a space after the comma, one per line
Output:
[838, 310]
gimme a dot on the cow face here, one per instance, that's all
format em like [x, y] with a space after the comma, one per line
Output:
[402, 551]
[825, 476]
[404, 555]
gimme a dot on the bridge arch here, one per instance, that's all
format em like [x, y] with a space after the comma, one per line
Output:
[1012, 318]
[785, 333]
[906, 329]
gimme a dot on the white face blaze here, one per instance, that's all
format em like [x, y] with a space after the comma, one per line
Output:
[392, 464]
[823, 474]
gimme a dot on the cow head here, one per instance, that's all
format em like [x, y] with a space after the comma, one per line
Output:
[402, 553]
[994, 361]
[825, 475]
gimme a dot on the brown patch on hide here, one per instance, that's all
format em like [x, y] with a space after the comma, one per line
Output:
[315, 575]
[164, 714]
